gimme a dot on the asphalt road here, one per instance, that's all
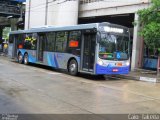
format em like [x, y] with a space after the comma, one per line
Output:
[35, 89]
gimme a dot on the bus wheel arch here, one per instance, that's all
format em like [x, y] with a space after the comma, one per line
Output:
[20, 57]
[72, 66]
[26, 58]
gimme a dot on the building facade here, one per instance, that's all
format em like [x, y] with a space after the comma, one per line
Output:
[72, 12]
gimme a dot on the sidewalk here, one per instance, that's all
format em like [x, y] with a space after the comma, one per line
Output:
[142, 75]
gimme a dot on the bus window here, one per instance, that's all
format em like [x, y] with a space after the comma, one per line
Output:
[30, 41]
[50, 41]
[20, 41]
[61, 41]
[74, 42]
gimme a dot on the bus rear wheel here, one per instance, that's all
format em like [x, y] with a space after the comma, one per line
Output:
[20, 58]
[73, 67]
[26, 59]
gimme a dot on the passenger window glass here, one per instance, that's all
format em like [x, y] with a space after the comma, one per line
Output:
[74, 42]
[61, 41]
[50, 41]
[30, 41]
[19, 39]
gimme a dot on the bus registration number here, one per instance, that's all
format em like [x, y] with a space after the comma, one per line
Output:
[119, 64]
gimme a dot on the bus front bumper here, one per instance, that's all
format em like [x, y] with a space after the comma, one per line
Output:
[102, 70]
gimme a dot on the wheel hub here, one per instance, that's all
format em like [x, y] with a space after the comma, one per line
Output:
[25, 60]
[20, 57]
[72, 67]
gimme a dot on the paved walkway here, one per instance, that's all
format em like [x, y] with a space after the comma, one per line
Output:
[143, 75]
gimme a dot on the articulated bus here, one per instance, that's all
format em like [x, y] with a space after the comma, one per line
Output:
[97, 48]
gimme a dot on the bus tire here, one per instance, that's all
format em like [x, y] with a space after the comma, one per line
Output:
[73, 67]
[26, 59]
[20, 58]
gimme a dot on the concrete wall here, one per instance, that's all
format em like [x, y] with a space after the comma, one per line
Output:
[63, 13]
[111, 7]
[49, 12]
[35, 13]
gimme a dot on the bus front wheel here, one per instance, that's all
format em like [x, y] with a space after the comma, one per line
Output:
[73, 67]
[26, 59]
[20, 58]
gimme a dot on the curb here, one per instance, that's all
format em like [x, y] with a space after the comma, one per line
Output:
[140, 78]
[128, 77]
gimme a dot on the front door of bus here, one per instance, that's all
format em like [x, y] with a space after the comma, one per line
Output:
[88, 54]
[41, 45]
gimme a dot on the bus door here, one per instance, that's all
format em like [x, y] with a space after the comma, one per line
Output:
[15, 46]
[12, 46]
[41, 45]
[88, 51]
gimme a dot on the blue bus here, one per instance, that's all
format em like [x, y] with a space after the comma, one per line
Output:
[97, 48]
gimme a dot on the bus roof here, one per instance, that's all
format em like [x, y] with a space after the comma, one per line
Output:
[63, 28]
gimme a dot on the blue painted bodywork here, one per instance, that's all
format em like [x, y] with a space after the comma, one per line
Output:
[60, 60]
[31, 54]
[53, 59]
[109, 70]
[19, 0]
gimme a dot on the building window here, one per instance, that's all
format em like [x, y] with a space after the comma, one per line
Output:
[61, 41]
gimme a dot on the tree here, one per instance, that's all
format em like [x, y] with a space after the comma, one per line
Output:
[6, 31]
[149, 20]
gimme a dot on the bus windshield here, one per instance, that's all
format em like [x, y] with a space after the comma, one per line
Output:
[114, 47]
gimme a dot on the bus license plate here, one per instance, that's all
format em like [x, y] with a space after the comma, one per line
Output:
[119, 64]
[115, 70]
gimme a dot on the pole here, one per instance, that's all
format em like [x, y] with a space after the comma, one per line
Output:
[29, 12]
[158, 66]
[46, 14]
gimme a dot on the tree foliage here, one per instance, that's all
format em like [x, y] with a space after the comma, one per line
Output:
[6, 31]
[149, 19]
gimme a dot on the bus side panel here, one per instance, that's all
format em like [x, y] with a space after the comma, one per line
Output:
[49, 59]
[109, 70]
[58, 60]
[31, 54]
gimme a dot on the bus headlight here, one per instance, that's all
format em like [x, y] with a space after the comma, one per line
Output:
[100, 62]
[127, 63]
